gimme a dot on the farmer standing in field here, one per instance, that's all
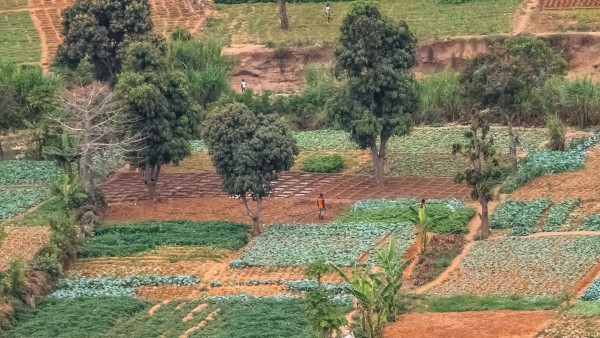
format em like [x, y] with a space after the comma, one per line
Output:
[321, 206]
[243, 85]
[422, 211]
[328, 13]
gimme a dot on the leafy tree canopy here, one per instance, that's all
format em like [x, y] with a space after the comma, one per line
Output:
[505, 77]
[249, 151]
[381, 95]
[96, 29]
[159, 102]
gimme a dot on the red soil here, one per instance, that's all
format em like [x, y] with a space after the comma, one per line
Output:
[484, 324]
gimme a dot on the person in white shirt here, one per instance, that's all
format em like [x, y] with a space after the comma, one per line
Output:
[328, 13]
[243, 85]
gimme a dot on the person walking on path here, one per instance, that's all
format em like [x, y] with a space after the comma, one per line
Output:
[321, 206]
[422, 211]
[243, 85]
[328, 13]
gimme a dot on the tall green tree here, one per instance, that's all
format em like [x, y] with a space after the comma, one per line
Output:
[159, 103]
[249, 152]
[505, 79]
[96, 29]
[483, 171]
[381, 98]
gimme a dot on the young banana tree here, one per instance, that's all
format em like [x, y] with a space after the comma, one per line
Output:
[69, 190]
[376, 292]
[423, 227]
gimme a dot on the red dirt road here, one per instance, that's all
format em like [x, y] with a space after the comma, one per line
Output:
[472, 324]
[129, 187]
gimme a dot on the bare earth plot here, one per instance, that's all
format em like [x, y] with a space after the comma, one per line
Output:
[480, 324]
[129, 187]
[22, 244]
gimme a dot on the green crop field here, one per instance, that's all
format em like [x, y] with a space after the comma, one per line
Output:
[428, 19]
[19, 40]
[12, 4]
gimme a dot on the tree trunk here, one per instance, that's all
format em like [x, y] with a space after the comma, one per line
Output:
[485, 222]
[88, 176]
[152, 172]
[1, 152]
[283, 20]
[325, 334]
[255, 217]
[378, 163]
[513, 144]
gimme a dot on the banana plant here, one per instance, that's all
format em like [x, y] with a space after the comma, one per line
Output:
[69, 190]
[376, 292]
[423, 227]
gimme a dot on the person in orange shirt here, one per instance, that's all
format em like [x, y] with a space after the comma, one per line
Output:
[321, 206]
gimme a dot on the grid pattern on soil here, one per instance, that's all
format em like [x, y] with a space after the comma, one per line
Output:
[129, 187]
[569, 4]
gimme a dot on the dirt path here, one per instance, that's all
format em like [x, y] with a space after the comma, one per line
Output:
[523, 15]
[470, 324]
[473, 230]
[43, 41]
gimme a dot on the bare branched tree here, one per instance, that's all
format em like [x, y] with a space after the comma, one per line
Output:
[96, 118]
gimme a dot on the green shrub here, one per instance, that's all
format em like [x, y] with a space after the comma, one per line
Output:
[129, 238]
[323, 164]
[580, 99]
[556, 133]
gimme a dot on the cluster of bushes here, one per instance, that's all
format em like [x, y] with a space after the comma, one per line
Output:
[305, 110]
[323, 164]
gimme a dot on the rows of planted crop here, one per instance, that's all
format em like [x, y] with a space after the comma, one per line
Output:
[338, 244]
[543, 161]
[518, 265]
[526, 217]
[115, 287]
[592, 223]
[421, 140]
[15, 200]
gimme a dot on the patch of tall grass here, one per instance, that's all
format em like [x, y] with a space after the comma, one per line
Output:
[203, 64]
[576, 101]
[440, 98]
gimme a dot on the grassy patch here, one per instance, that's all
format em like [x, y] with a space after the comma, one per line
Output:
[19, 40]
[428, 19]
[265, 318]
[421, 303]
[441, 252]
[130, 238]
[78, 317]
[49, 210]
[586, 309]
